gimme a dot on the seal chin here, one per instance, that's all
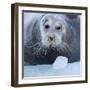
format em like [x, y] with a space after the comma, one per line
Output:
[51, 44]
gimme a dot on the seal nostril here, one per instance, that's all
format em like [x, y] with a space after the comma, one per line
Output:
[51, 38]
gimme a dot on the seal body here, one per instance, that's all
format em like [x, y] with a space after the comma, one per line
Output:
[51, 35]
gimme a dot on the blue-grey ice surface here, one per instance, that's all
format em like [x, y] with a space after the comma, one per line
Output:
[48, 70]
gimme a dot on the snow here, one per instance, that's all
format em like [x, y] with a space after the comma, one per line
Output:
[48, 70]
[60, 62]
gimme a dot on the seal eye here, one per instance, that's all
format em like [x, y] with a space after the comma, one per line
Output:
[47, 26]
[58, 28]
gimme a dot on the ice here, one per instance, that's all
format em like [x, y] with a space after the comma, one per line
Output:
[60, 62]
[48, 70]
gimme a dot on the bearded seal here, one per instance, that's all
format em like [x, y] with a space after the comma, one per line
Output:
[51, 35]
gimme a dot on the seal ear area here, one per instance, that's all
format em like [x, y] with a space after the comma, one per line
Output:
[29, 31]
[69, 35]
[36, 32]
